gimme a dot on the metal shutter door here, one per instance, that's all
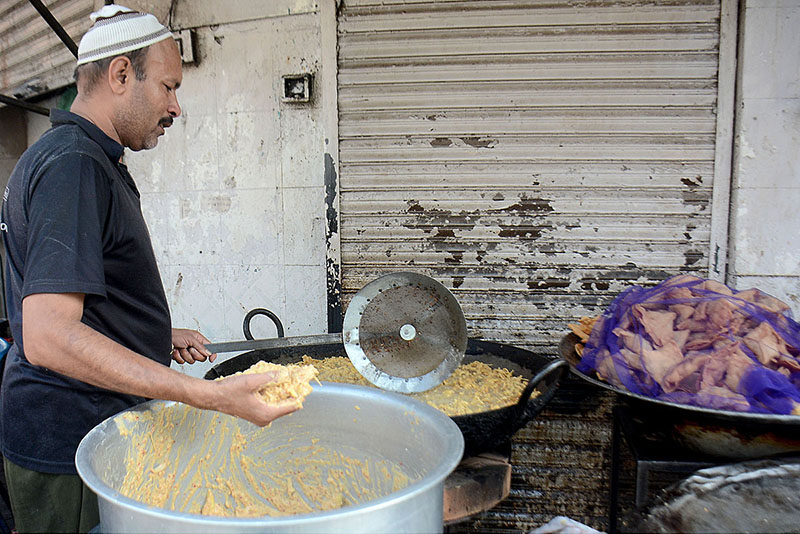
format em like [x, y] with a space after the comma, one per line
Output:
[535, 157]
[33, 60]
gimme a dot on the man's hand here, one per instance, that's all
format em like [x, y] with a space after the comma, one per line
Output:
[55, 338]
[188, 346]
[238, 395]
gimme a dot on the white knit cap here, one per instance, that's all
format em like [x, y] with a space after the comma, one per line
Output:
[118, 29]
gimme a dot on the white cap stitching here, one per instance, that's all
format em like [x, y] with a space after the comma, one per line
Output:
[118, 29]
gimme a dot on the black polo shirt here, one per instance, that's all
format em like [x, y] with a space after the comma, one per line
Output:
[72, 223]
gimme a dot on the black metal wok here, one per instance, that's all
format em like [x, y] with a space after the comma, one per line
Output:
[482, 431]
[718, 433]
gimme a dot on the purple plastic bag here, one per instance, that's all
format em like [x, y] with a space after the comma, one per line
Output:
[698, 342]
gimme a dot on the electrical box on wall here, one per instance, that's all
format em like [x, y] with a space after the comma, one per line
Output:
[185, 40]
[296, 88]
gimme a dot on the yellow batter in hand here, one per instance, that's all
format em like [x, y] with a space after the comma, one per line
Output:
[292, 382]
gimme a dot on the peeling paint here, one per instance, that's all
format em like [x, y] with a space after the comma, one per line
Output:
[692, 257]
[479, 142]
[330, 195]
[688, 233]
[443, 233]
[548, 283]
[519, 232]
[697, 199]
[692, 183]
[413, 206]
[526, 204]
[332, 271]
[595, 285]
[455, 257]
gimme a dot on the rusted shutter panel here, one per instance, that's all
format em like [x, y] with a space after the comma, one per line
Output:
[536, 157]
[33, 60]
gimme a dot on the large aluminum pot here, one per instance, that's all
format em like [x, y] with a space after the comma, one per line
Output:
[427, 443]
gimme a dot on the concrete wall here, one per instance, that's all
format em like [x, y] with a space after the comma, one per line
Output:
[765, 218]
[37, 124]
[234, 192]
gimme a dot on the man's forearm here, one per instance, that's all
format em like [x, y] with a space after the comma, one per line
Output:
[81, 352]
[54, 337]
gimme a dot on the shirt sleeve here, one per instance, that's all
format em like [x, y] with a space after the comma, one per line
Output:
[66, 211]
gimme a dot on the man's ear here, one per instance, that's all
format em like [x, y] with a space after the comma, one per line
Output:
[120, 74]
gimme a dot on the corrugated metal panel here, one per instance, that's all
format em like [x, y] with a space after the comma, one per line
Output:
[537, 157]
[33, 60]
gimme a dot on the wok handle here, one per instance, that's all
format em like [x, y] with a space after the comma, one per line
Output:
[261, 311]
[556, 368]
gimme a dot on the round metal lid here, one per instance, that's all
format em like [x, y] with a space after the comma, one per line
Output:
[405, 332]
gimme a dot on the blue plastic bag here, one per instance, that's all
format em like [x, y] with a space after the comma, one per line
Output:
[699, 342]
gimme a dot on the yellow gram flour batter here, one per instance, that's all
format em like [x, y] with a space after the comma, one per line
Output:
[188, 460]
[471, 388]
[291, 384]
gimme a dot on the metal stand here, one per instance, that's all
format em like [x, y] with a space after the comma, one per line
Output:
[478, 484]
[664, 457]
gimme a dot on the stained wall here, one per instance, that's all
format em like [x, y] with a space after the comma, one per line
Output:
[765, 241]
[234, 194]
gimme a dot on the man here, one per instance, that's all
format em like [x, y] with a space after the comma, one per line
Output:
[91, 325]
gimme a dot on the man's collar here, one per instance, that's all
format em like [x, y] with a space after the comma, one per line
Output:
[113, 149]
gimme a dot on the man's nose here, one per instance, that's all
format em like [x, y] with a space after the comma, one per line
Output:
[174, 109]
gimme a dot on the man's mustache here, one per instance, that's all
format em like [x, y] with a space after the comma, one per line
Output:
[166, 122]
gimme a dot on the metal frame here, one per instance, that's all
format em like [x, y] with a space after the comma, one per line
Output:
[56, 26]
[645, 463]
[723, 146]
[11, 101]
[330, 124]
